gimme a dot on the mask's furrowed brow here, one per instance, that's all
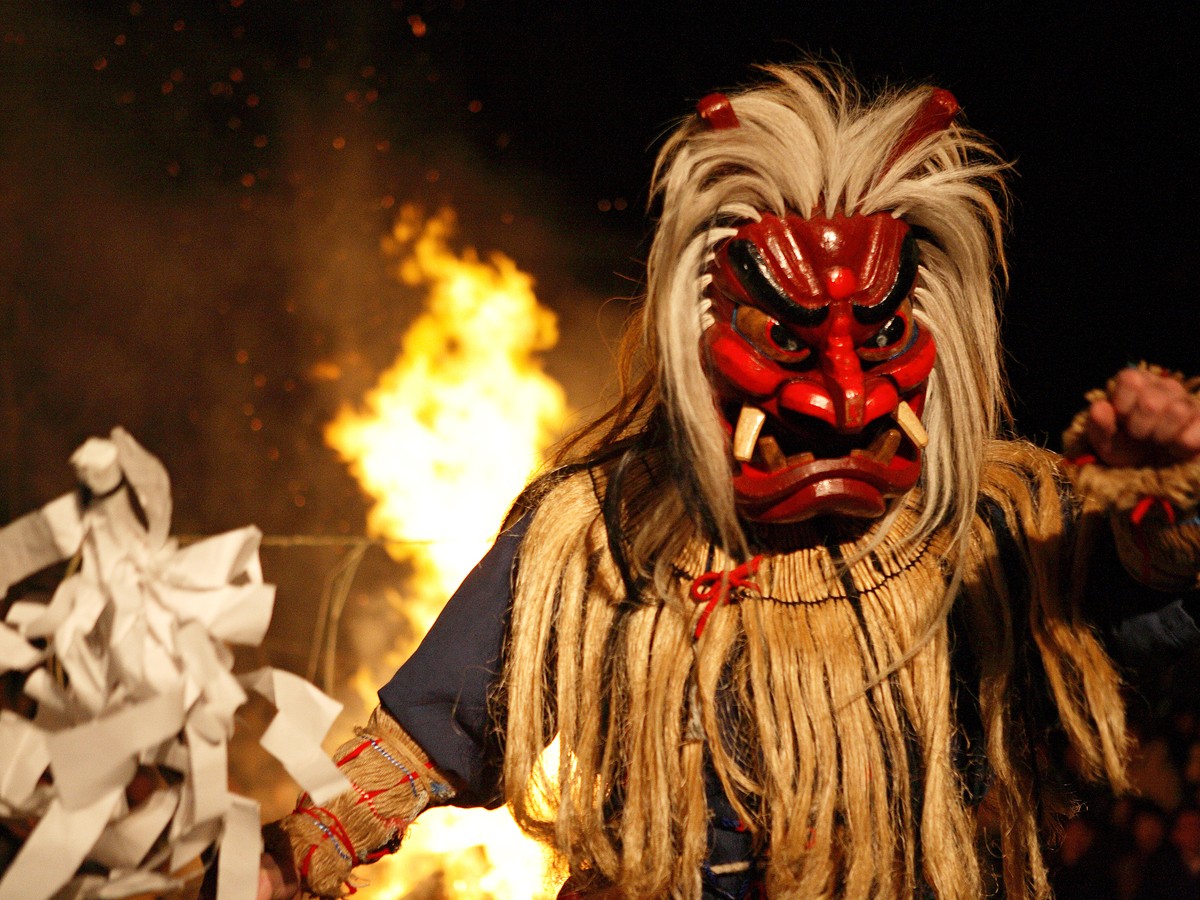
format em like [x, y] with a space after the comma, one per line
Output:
[906, 276]
[760, 283]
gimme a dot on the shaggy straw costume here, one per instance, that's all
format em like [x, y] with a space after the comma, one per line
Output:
[822, 671]
[823, 694]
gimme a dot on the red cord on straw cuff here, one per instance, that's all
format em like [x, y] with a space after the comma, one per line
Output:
[307, 861]
[353, 753]
[339, 833]
[1148, 503]
[368, 797]
[1138, 515]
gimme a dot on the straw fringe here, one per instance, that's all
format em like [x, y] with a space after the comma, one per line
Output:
[836, 758]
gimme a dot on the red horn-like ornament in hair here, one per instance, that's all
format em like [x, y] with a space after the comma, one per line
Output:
[935, 114]
[717, 111]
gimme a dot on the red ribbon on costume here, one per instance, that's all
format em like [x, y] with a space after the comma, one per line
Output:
[336, 829]
[333, 830]
[712, 588]
[1137, 515]
[1148, 503]
[717, 111]
[368, 797]
[307, 861]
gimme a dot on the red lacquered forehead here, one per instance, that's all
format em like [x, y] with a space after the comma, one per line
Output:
[798, 265]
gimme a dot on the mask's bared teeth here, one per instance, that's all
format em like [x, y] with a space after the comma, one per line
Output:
[884, 447]
[910, 424]
[745, 436]
[768, 449]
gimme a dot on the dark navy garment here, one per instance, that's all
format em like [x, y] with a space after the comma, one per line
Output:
[440, 695]
[1142, 628]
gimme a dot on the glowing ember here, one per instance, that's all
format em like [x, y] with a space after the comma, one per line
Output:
[447, 439]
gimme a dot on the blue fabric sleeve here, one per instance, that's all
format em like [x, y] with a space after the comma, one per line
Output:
[1143, 628]
[1158, 636]
[440, 695]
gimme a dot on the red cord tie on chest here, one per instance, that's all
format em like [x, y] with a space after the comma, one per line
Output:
[712, 588]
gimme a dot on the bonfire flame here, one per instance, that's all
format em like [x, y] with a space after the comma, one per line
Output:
[446, 440]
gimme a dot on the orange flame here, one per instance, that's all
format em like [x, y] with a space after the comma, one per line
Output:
[446, 440]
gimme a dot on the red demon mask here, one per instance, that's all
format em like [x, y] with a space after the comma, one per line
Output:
[819, 365]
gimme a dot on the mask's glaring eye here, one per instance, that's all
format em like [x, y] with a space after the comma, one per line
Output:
[763, 287]
[770, 338]
[894, 337]
[892, 331]
[784, 339]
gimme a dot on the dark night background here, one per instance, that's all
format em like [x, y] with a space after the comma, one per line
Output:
[192, 196]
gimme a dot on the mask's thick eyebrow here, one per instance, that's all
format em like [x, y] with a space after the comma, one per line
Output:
[760, 283]
[906, 276]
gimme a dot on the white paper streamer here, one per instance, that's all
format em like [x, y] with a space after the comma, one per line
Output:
[142, 684]
[241, 847]
[125, 842]
[16, 653]
[82, 773]
[131, 884]
[38, 540]
[303, 712]
[55, 849]
[23, 759]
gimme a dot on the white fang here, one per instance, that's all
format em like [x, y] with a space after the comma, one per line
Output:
[745, 436]
[911, 425]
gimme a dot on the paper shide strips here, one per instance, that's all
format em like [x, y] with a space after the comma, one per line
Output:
[123, 769]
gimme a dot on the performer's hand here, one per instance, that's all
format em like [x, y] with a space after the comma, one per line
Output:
[277, 879]
[1150, 420]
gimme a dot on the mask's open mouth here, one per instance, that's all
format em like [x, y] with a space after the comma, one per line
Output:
[798, 467]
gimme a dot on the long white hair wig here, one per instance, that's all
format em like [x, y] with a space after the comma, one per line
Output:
[809, 143]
